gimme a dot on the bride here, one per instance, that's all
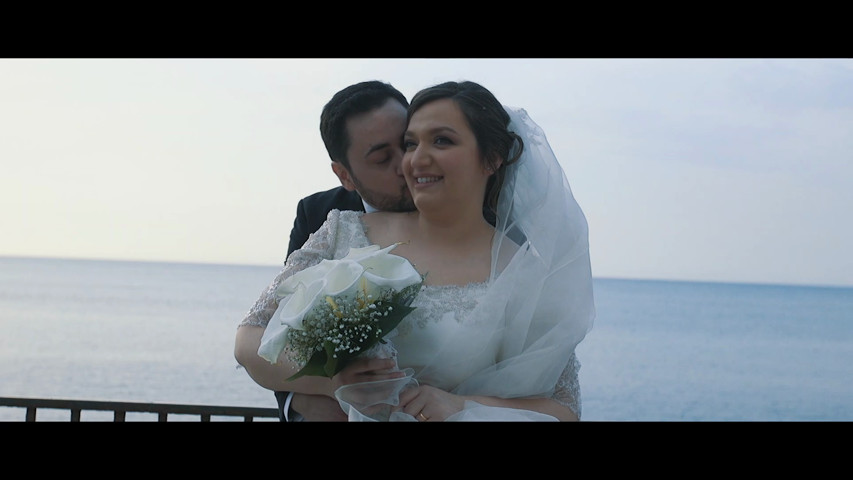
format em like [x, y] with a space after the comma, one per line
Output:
[505, 300]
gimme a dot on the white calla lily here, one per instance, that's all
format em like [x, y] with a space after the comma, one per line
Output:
[342, 279]
[390, 271]
[289, 315]
[356, 254]
[307, 276]
[366, 271]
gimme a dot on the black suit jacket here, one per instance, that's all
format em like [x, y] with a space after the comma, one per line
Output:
[311, 212]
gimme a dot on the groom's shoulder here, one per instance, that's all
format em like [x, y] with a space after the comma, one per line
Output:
[337, 197]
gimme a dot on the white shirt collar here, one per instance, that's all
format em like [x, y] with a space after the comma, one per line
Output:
[368, 207]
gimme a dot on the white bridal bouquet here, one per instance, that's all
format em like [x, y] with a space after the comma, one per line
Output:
[338, 309]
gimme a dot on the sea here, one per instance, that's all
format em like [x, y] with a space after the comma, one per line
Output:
[660, 351]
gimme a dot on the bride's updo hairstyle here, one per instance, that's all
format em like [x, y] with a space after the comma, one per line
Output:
[488, 120]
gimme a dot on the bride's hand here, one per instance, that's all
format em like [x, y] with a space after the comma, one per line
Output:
[427, 403]
[367, 370]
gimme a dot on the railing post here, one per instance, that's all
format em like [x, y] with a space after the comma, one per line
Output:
[120, 409]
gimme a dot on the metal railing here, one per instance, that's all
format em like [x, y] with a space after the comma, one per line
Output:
[204, 413]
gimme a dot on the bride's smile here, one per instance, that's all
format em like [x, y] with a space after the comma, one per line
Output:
[424, 180]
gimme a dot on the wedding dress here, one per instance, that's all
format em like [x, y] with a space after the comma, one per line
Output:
[513, 335]
[442, 312]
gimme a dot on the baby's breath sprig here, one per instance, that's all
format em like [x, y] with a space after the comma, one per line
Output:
[339, 329]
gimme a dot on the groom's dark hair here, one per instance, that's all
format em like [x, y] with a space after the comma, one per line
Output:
[353, 100]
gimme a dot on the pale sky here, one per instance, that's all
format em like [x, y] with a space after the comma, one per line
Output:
[734, 170]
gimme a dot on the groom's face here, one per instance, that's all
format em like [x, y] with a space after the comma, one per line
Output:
[375, 156]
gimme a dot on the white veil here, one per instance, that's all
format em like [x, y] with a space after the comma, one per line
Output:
[539, 303]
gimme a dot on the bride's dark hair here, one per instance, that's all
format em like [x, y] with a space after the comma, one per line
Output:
[488, 119]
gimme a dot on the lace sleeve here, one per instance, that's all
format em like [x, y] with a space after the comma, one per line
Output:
[568, 391]
[320, 245]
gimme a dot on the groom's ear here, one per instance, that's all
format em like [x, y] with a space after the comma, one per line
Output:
[343, 175]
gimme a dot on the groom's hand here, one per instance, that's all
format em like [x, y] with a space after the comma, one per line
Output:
[367, 370]
[317, 408]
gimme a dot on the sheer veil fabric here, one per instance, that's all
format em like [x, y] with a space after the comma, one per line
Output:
[538, 303]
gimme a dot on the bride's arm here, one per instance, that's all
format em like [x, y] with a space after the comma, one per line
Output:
[547, 406]
[565, 403]
[321, 245]
[274, 376]
[568, 391]
[437, 404]
[269, 375]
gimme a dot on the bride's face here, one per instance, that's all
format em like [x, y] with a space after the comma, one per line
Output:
[442, 162]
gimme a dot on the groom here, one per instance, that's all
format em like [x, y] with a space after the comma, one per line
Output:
[362, 127]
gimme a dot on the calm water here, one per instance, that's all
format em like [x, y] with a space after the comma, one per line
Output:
[659, 351]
